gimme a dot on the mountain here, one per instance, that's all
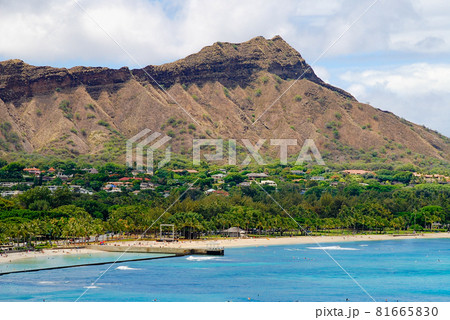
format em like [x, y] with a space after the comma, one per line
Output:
[224, 87]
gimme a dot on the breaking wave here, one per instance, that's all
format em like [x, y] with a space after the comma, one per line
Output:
[192, 258]
[332, 248]
[126, 268]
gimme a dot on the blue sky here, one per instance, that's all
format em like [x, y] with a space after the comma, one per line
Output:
[396, 56]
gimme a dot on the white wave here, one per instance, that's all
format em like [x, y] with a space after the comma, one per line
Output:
[363, 245]
[46, 282]
[192, 258]
[91, 287]
[332, 248]
[126, 268]
[293, 249]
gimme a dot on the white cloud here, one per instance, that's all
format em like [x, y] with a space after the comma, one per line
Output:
[417, 92]
[58, 32]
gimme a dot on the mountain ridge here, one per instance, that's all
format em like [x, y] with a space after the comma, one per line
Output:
[230, 64]
[225, 87]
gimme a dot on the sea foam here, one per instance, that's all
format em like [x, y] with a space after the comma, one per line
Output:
[332, 248]
[192, 258]
[126, 268]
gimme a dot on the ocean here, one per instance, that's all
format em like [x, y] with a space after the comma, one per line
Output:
[397, 270]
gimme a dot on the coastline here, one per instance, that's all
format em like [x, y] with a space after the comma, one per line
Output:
[11, 257]
[258, 242]
[225, 243]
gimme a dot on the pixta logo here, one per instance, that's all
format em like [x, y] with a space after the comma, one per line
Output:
[142, 142]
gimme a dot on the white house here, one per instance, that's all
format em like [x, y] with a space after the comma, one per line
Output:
[268, 183]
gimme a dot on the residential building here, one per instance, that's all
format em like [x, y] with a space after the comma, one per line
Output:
[253, 176]
[269, 183]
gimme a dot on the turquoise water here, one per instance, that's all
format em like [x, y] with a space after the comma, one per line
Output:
[403, 270]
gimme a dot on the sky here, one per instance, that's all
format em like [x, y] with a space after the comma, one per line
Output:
[393, 54]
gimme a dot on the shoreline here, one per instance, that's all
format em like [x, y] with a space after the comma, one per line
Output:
[258, 242]
[12, 257]
[224, 243]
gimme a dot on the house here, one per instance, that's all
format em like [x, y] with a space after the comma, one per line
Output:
[10, 193]
[79, 189]
[318, 178]
[8, 184]
[297, 172]
[63, 176]
[91, 170]
[245, 184]
[147, 186]
[234, 232]
[219, 192]
[51, 170]
[53, 188]
[124, 179]
[253, 176]
[269, 183]
[33, 170]
[218, 178]
[358, 172]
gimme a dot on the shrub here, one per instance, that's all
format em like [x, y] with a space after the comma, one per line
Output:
[194, 97]
[265, 79]
[348, 106]
[38, 113]
[298, 98]
[235, 47]
[336, 134]
[171, 133]
[103, 123]
[375, 118]
[73, 130]
[277, 79]
[171, 120]
[258, 92]
[90, 116]
[226, 92]
[77, 116]
[184, 87]
[192, 126]
[89, 106]
[338, 115]
[64, 105]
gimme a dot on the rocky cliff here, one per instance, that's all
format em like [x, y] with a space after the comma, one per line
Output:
[217, 92]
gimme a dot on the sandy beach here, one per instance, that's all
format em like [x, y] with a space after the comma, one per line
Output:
[226, 243]
[11, 257]
[257, 242]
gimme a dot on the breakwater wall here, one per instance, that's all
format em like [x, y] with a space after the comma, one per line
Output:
[170, 250]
